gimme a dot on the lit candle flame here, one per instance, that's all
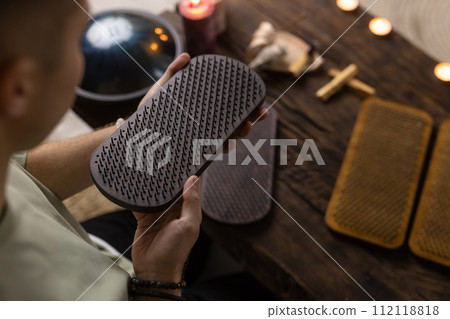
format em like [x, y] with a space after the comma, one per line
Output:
[158, 31]
[164, 37]
[196, 9]
[442, 72]
[380, 26]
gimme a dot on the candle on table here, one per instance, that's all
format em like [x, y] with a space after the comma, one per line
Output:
[380, 26]
[442, 71]
[199, 26]
[347, 5]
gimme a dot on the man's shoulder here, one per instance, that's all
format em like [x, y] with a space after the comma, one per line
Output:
[42, 256]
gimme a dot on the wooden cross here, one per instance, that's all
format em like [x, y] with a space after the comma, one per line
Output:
[342, 78]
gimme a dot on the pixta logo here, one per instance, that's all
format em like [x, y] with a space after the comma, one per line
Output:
[308, 153]
[149, 141]
[142, 148]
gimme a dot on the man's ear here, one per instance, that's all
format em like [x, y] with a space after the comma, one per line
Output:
[16, 78]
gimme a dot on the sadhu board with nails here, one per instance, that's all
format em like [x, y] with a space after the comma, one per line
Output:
[430, 236]
[375, 191]
[145, 163]
[230, 194]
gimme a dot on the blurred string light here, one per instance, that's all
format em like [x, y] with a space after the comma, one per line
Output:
[347, 5]
[442, 71]
[380, 26]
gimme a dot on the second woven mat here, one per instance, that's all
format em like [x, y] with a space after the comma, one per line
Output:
[430, 237]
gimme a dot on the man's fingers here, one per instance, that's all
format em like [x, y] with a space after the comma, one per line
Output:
[260, 115]
[173, 68]
[244, 130]
[177, 64]
[191, 211]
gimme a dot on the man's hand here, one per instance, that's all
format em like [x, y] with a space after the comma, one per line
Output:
[163, 241]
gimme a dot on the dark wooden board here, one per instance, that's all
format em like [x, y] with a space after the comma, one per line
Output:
[276, 251]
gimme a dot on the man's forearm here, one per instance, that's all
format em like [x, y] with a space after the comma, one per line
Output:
[64, 166]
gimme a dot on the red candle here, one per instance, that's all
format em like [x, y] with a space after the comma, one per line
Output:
[199, 26]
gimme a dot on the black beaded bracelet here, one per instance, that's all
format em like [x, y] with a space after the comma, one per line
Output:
[135, 282]
[157, 294]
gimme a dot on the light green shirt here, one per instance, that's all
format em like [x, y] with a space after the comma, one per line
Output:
[44, 252]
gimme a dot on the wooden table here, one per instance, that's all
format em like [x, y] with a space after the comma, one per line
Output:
[276, 251]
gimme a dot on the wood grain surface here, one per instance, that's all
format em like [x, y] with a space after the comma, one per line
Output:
[276, 250]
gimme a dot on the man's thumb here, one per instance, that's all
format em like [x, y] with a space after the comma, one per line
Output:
[192, 200]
